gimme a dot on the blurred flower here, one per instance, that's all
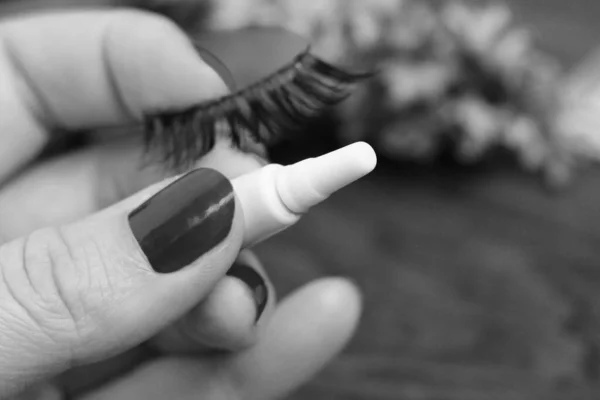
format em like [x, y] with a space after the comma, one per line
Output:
[480, 127]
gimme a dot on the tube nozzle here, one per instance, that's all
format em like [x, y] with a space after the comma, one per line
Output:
[309, 182]
[274, 197]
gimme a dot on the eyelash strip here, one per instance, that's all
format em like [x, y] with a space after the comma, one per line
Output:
[282, 103]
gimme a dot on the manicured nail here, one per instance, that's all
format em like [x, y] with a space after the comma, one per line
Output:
[255, 283]
[185, 220]
[218, 66]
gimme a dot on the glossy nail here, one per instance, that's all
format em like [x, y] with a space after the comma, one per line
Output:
[185, 220]
[255, 282]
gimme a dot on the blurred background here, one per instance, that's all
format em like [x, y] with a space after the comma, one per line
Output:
[476, 242]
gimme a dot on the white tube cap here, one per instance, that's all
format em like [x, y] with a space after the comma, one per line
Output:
[309, 182]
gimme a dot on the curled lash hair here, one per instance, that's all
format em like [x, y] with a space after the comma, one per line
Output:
[283, 102]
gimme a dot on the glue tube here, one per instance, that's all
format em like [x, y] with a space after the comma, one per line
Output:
[275, 197]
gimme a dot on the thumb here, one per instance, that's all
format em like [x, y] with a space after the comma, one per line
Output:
[82, 292]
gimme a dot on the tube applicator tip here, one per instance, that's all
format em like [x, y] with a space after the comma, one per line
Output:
[274, 197]
[338, 169]
[309, 182]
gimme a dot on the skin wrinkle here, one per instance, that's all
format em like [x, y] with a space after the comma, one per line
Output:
[55, 265]
[12, 295]
[50, 260]
[26, 270]
[95, 287]
[106, 287]
[105, 282]
[119, 279]
[18, 301]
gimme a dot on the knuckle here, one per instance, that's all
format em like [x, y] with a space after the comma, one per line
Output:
[49, 250]
[29, 301]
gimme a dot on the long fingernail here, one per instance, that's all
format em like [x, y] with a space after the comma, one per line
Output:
[216, 64]
[185, 220]
[255, 283]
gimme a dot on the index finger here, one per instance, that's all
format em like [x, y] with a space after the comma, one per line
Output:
[89, 69]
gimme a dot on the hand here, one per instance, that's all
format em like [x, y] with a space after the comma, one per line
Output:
[82, 305]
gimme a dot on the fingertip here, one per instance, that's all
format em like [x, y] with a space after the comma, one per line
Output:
[223, 322]
[308, 329]
[336, 305]
[339, 299]
[336, 292]
[226, 320]
[155, 66]
[233, 315]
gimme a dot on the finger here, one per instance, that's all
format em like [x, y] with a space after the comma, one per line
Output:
[237, 330]
[308, 329]
[71, 187]
[90, 376]
[229, 318]
[306, 333]
[88, 290]
[92, 68]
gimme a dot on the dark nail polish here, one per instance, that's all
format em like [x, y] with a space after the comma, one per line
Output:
[185, 220]
[217, 65]
[255, 283]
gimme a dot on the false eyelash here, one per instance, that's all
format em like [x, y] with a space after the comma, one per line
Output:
[285, 102]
